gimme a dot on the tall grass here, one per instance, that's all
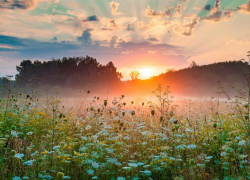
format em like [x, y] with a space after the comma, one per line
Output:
[120, 140]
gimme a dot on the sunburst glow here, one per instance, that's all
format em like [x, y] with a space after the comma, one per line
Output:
[146, 72]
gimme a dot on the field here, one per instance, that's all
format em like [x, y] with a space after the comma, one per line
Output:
[47, 138]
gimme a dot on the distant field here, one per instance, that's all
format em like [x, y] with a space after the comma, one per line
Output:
[122, 138]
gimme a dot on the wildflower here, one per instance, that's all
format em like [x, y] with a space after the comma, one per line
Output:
[223, 154]
[110, 151]
[118, 164]
[112, 160]
[35, 153]
[45, 176]
[177, 135]
[126, 168]
[164, 138]
[25, 177]
[191, 146]
[140, 163]
[51, 152]
[171, 158]
[16, 178]
[133, 164]
[66, 177]
[88, 127]
[14, 133]
[121, 178]
[29, 163]
[242, 143]
[126, 138]
[29, 133]
[209, 157]
[180, 147]
[95, 165]
[115, 138]
[95, 177]
[146, 172]
[90, 172]
[19, 155]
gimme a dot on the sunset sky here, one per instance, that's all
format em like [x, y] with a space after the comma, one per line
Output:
[150, 36]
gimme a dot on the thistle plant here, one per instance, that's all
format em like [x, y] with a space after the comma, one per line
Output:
[166, 107]
[241, 102]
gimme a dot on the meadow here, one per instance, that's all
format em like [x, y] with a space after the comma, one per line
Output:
[118, 138]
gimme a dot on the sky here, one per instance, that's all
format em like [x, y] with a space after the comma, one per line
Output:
[149, 36]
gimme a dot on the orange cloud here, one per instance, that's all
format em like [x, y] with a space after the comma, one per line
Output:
[114, 6]
[244, 8]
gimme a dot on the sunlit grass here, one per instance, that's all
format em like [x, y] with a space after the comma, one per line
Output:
[117, 140]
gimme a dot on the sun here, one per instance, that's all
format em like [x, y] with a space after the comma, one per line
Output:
[146, 72]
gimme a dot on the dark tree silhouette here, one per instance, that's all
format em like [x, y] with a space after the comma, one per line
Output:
[71, 72]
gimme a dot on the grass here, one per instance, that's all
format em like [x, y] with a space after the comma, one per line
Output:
[44, 140]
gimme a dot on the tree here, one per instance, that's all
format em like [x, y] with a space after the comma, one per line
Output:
[76, 72]
[134, 75]
[193, 64]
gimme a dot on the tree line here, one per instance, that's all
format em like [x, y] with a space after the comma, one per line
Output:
[197, 80]
[74, 72]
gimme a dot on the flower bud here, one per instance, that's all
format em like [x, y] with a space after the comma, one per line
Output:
[60, 175]
[13, 152]
[152, 112]
[191, 162]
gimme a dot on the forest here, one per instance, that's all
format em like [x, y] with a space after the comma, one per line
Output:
[86, 73]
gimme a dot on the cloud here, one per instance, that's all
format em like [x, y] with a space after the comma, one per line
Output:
[21, 4]
[228, 14]
[113, 41]
[106, 29]
[243, 42]
[191, 27]
[152, 38]
[208, 7]
[6, 47]
[147, 46]
[113, 24]
[130, 27]
[91, 18]
[114, 6]
[29, 48]
[151, 13]
[214, 17]
[178, 10]
[244, 8]
[217, 5]
[16, 4]
[85, 39]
